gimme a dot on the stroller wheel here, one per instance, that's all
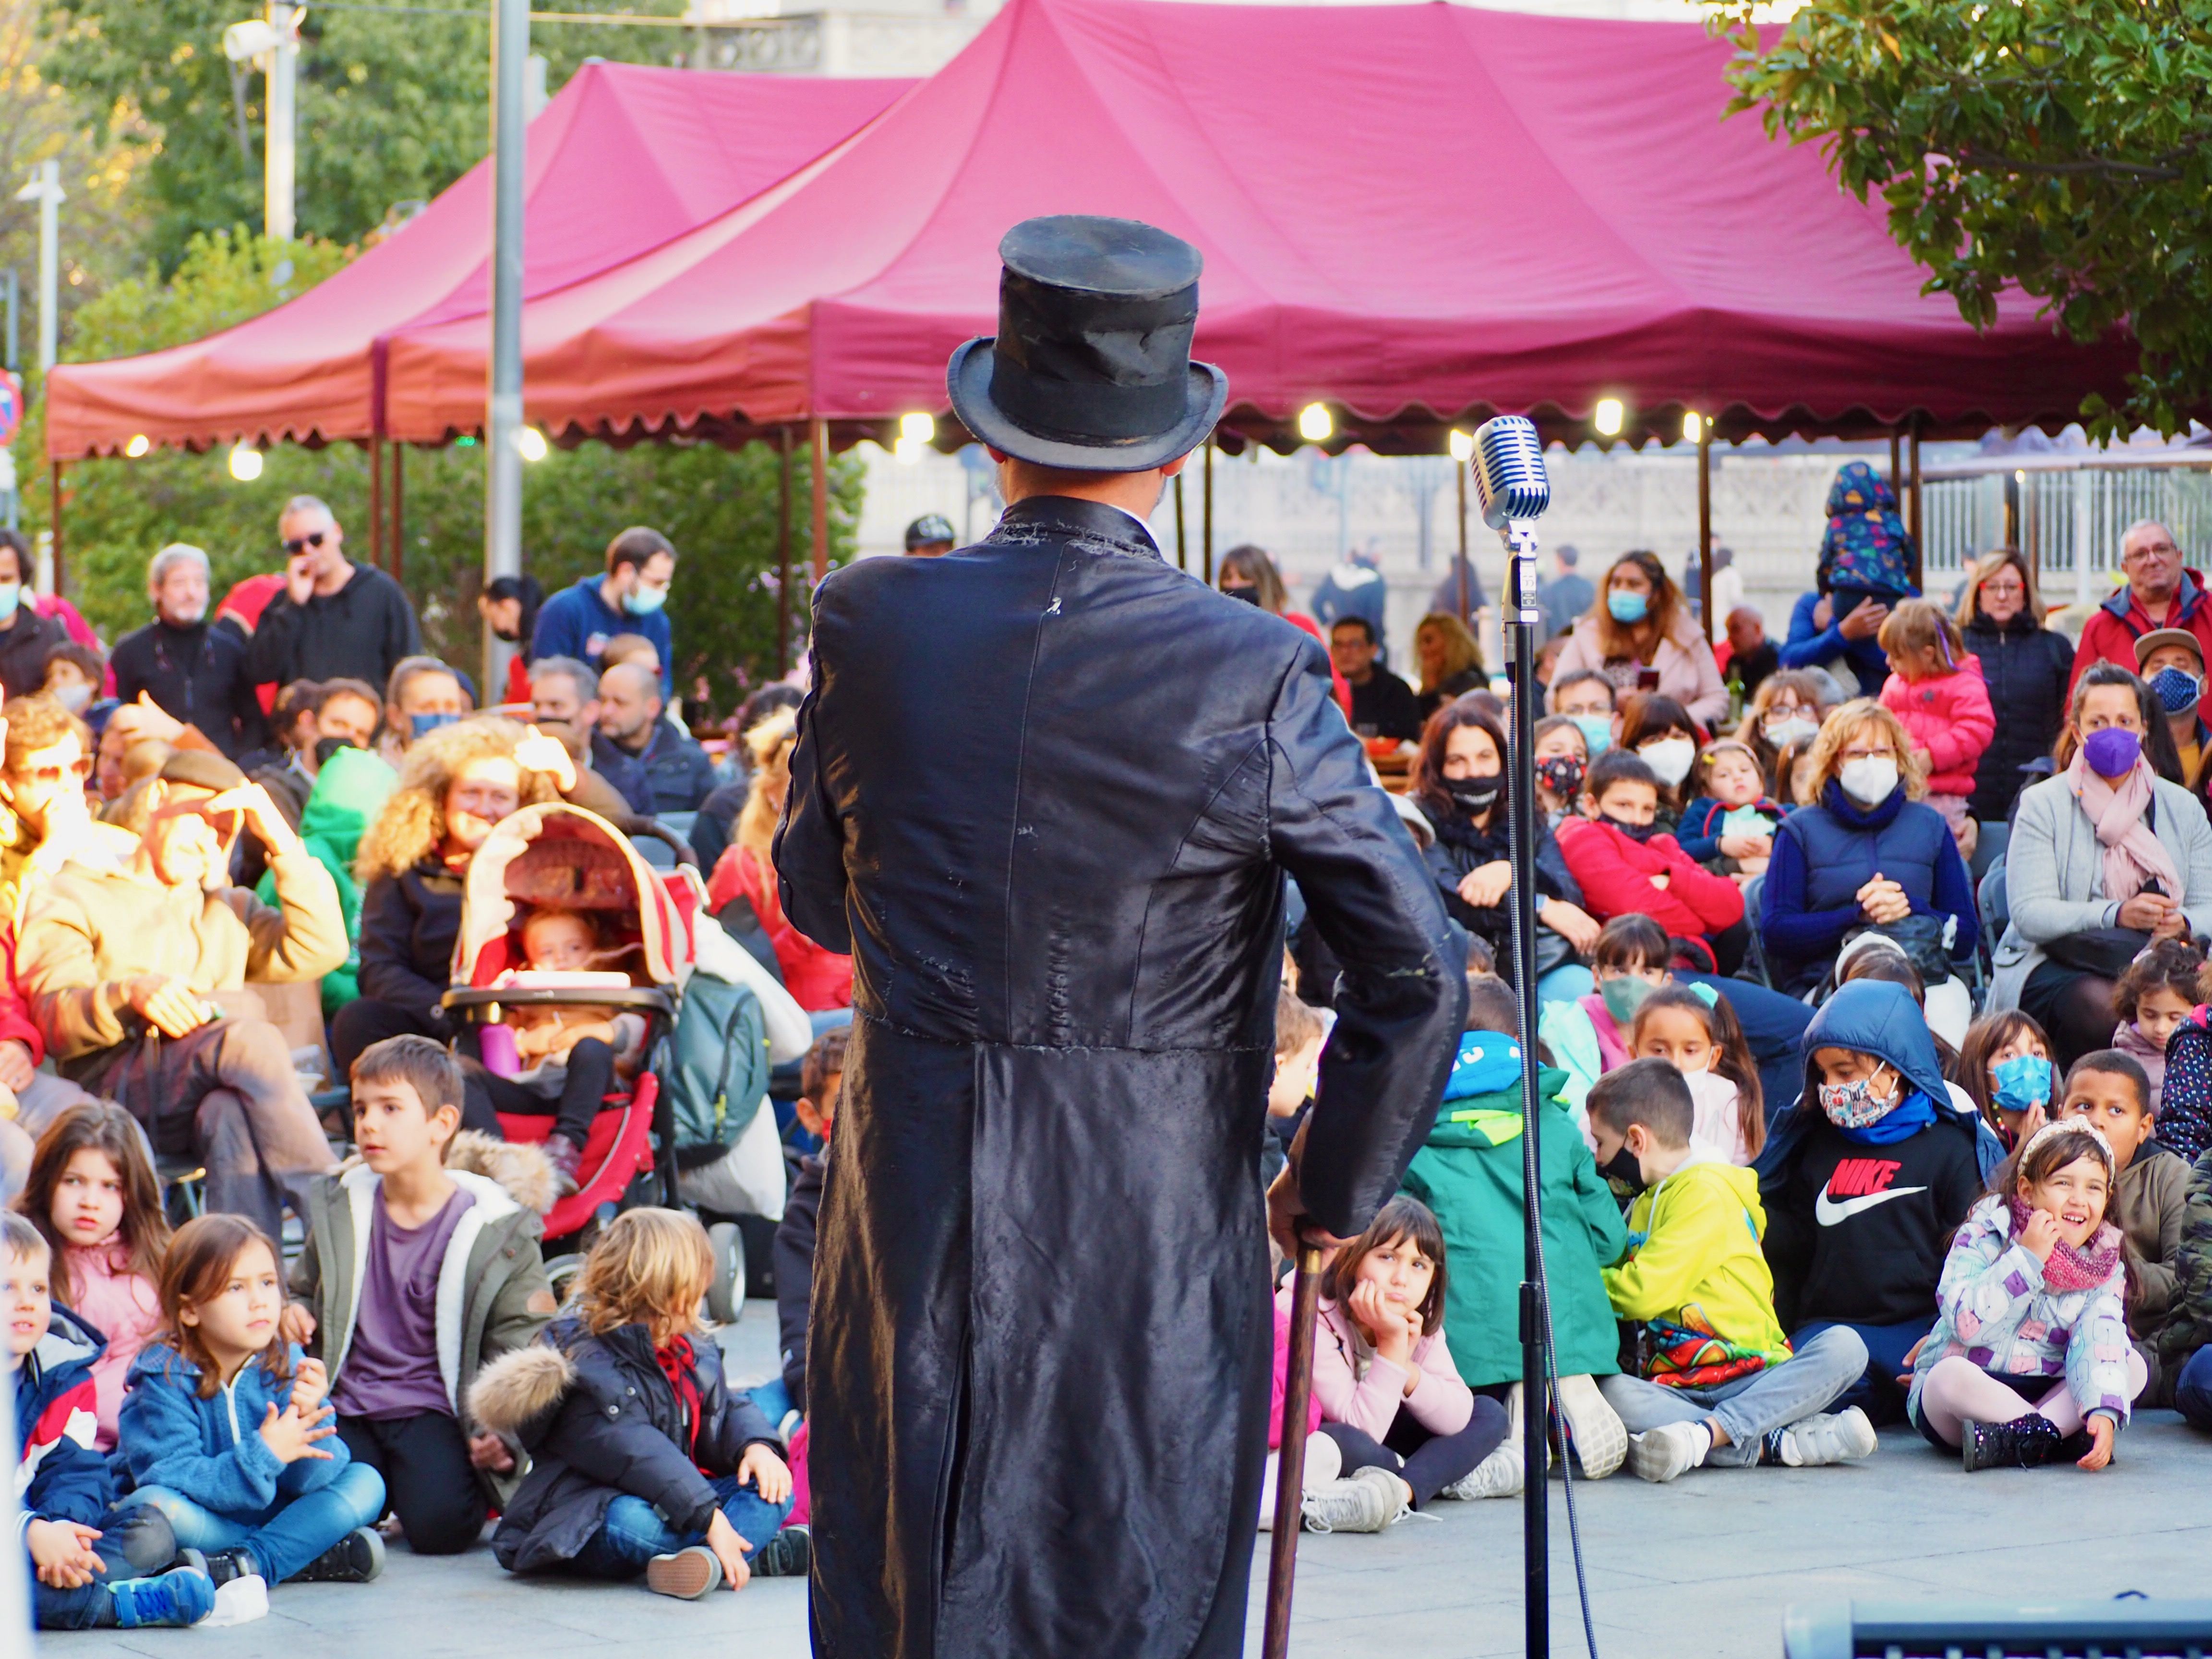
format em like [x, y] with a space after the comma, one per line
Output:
[561, 1274]
[725, 1297]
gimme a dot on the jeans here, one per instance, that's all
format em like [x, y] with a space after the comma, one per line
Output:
[1427, 1461]
[1877, 1393]
[633, 1532]
[1750, 1407]
[132, 1545]
[286, 1536]
[432, 1485]
[1774, 1026]
[2192, 1390]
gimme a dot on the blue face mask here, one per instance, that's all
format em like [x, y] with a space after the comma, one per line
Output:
[2178, 689]
[1627, 604]
[644, 601]
[2023, 1081]
[1597, 731]
[11, 595]
[421, 726]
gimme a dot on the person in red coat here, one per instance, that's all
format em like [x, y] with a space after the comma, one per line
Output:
[1625, 867]
[2161, 593]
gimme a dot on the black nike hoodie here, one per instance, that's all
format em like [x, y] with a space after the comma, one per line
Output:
[1856, 1233]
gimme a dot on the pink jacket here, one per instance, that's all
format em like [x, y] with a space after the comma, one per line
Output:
[124, 1309]
[1950, 717]
[1687, 672]
[1440, 1402]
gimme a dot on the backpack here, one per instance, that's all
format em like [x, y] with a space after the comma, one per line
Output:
[2185, 1103]
[717, 1074]
[1865, 546]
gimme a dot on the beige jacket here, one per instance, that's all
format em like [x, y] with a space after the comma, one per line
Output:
[91, 930]
[1687, 672]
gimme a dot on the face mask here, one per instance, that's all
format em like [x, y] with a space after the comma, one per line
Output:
[2023, 1081]
[2178, 689]
[421, 726]
[1670, 757]
[1625, 995]
[1638, 833]
[1596, 730]
[1561, 773]
[1857, 1105]
[1249, 595]
[1475, 795]
[514, 638]
[1627, 604]
[644, 601]
[1622, 1170]
[1795, 730]
[326, 747]
[75, 698]
[1870, 779]
[2111, 753]
[11, 595]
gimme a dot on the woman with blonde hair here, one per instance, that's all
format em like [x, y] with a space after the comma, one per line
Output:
[1450, 660]
[2026, 667]
[1637, 631]
[1868, 852]
[457, 783]
[818, 980]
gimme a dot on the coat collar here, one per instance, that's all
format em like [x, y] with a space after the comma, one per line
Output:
[1081, 520]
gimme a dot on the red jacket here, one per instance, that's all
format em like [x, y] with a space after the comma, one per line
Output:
[818, 980]
[1615, 876]
[1950, 717]
[2116, 625]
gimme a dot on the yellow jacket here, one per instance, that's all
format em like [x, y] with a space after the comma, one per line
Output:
[1693, 1247]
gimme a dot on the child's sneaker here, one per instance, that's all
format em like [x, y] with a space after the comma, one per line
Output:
[1660, 1453]
[221, 1565]
[1593, 1428]
[789, 1554]
[1501, 1474]
[181, 1596]
[687, 1575]
[1354, 1505]
[355, 1558]
[2026, 1443]
[1844, 1438]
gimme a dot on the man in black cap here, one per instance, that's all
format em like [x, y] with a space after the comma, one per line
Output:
[1038, 1371]
[929, 537]
[135, 969]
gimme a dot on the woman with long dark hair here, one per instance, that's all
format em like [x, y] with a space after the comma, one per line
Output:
[1638, 633]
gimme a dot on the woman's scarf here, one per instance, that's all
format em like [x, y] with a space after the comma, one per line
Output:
[2134, 856]
[2069, 1268]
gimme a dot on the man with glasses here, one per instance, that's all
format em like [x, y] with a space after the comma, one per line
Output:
[2161, 592]
[136, 967]
[335, 619]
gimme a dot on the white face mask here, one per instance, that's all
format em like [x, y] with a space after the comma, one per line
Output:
[1870, 779]
[1670, 757]
[1797, 729]
[77, 697]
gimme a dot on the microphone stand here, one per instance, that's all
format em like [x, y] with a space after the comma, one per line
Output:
[1521, 624]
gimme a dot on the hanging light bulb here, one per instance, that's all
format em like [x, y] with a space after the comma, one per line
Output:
[1609, 416]
[245, 463]
[1316, 424]
[1693, 426]
[1462, 446]
[530, 443]
[139, 444]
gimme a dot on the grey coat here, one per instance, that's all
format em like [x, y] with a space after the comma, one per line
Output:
[2054, 875]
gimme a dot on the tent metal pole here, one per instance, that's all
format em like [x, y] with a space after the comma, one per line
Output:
[376, 502]
[783, 553]
[1182, 537]
[1920, 558]
[398, 509]
[1206, 510]
[54, 487]
[819, 480]
[1705, 527]
[1896, 464]
[510, 51]
[1466, 617]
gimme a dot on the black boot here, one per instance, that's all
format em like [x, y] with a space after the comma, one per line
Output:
[2026, 1443]
[355, 1558]
[565, 1155]
[221, 1565]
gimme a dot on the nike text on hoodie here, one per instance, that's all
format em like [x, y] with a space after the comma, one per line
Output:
[1877, 1215]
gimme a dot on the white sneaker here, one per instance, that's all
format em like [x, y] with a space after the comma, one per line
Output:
[1594, 1428]
[1843, 1439]
[1354, 1505]
[1660, 1453]
[239, 1602]
[1498, 1475]
[1516, 1427]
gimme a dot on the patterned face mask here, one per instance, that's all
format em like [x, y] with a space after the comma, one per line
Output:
[1856, 1105]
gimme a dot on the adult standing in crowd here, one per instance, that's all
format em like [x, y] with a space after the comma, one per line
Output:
[27, 639]
[1354, 587]
[1450, 660]
[508, 606]
[2172, 663]
[676, 770]
[2105, 858]
[565, 693]
[1382, 705]
[1446, 597]
[1062, 870]
[194, 672]
[930, 537]
[1637, 633]
[2161, 593]
[2027, 666]
[335, 619]
[1249, 573]
[1567, 594]
[630, 598]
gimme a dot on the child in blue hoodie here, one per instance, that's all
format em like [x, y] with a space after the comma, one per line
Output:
[226, 1431]
[1864, 1182]
[85, 1571]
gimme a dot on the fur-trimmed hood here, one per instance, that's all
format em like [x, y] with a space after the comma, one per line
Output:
[519, 1166]
[518, 1389]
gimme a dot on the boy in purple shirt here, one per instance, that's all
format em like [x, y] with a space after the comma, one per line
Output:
[414, 1275]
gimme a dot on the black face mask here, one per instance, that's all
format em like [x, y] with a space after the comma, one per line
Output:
[326, 747]
[1623, 1173]
[1473, 795]
[514, 638]
[1249, 595]
[1638, 833]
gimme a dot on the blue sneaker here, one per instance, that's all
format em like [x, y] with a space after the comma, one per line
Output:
[183, 1596]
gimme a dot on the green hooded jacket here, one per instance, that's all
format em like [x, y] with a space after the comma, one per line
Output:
[1469, 1173]
[349, 791]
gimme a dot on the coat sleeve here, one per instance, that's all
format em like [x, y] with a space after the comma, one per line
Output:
[1708, 701]
[1690, 834]
[1441, 1401]
[1714, 900]
[158, 1432]
[72, 1481]
[522, 1306]
[1601, 1210]
[1403, 995]
[302, 935]
[1976, 1291]
[57, 964]
[614, 1443]
[1667, 1267]
[1789, 1240]
[2158, 1282]
[269, 652]
[1787, 927]
[793, 1255]
[2097, 1357]
[2189, 1314]
[1599, 861]
[2196, 862]
[1955, 743]
[738, 1423]
[1809, 646]
[2040, 910]
[809, 850]
[387, 951]
[1368, 1403]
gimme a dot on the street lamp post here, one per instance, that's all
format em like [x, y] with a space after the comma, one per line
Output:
[273, 44]
[45, 189]
[510, 52]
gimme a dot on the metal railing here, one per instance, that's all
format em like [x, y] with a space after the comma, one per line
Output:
[2068, 521]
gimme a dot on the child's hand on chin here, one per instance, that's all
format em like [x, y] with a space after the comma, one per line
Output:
[2101, 1433]
[2039, 1234]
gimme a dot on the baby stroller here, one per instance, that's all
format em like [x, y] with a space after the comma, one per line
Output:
[562, 856]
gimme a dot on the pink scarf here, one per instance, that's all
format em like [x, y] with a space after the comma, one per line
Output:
[2072, 1267]
[2134, 856]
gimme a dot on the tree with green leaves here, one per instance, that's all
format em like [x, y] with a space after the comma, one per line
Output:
[2064, 146]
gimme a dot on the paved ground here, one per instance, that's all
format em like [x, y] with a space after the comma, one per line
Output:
[1697, 1570]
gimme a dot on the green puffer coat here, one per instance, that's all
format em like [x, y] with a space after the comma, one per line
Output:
[1469, 1173]
[349, 791]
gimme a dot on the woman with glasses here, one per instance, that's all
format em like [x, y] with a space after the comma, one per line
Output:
[2026, 666]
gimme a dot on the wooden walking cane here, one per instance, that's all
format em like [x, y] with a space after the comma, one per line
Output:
[1290, 1460]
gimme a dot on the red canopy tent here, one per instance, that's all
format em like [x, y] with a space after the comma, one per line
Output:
[1417, 214]
[624, 158]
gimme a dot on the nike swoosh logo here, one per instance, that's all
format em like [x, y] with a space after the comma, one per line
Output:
[1827, 1211]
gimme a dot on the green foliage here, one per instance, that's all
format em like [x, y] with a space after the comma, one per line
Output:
[2063, 145]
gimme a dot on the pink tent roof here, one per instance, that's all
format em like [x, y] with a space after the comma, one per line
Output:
[624, 158]
[1415, 212]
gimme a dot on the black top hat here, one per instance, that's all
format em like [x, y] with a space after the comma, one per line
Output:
[1090, 371]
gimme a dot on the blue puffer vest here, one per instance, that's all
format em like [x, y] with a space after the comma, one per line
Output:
[1844, 846]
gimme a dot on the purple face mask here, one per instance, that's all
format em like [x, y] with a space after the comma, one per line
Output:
[2111, 753]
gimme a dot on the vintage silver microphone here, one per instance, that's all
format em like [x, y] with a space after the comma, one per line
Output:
[1514, 489]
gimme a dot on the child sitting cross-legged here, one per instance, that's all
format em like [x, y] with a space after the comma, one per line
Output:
[2155, 996]
[643, 1460]
[227, 1427]
[1390, 1397]
[2029, 1361]
[1719, 1384]
[1729, 827]
[415, 1274]
[1469, 1173]
[86, 1571]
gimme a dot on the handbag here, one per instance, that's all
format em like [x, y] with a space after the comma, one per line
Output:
[2104, 951]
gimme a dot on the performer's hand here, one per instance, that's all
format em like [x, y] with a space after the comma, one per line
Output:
[1286, 1216]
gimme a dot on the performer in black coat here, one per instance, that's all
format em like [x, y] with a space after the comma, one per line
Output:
[1046, 791]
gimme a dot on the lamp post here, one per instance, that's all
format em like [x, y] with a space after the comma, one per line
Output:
[273, 43]
[503, 457]
[45, 189]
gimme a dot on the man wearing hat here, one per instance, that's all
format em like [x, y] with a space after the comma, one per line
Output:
[929, 537]
[2170, 661]
[1038, 1372]
[136, 968]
